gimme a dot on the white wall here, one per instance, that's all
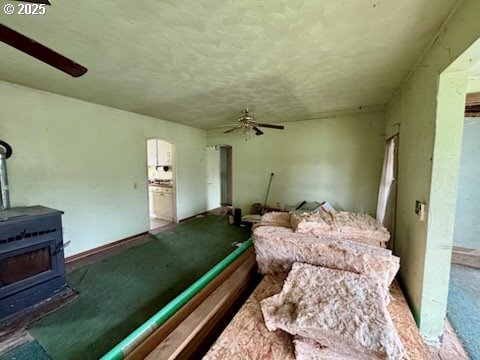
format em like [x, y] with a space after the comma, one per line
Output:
[335, 159]
[90, 161]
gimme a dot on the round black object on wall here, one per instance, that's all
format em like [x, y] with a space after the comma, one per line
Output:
[7, 149]
[163, 167]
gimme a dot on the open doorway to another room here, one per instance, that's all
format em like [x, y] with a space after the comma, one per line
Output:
[463, 309]
[225, 175]
[161, 183]
[219, 178]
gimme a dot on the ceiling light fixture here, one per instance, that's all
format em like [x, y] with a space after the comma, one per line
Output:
[246, 131]
[248, 127]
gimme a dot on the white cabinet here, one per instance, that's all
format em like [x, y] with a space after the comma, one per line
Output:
[157, 204]
[150, 202]
[164, 153]
[161, 202]
[168, 206]
[152, 152]
[159, 152]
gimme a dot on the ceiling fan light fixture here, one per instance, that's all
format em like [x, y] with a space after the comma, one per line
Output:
[248, 127]
[245, 131]
[248, 132]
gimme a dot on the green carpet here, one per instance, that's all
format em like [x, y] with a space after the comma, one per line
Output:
[118, 294]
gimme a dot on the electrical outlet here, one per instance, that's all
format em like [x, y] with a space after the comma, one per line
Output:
[135, 186]
[420, 210]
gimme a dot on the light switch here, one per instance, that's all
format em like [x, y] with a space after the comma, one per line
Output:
[420, 210]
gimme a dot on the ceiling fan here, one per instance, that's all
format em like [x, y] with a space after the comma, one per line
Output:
[39, 51]
[247, 125]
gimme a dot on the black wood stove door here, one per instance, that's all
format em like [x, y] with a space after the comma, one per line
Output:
[27, 266]
[32, 265]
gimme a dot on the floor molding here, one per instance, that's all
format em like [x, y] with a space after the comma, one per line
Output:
[104, 251]
[108, 246]
[466, 256]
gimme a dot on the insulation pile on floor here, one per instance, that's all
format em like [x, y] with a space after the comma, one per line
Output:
[334, 304]
[333, 312]
[335, 298]
[277, 248]
[338, 225]
[282, 219]
[247, 338]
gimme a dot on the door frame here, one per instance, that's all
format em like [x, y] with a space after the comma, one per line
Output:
[229, 173]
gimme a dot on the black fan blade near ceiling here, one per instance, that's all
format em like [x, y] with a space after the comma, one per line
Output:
[280, 127]
[258, 131]
[40, 52]
[235, 128]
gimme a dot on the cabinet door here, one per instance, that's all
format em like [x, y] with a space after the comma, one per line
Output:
[158, 204]
[152, 152]
[164, 153]
[168, 201]
[150, 203]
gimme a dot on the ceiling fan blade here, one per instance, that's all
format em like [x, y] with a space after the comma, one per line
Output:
[258, 131]
[40, 52]
[281, 127]
[235, 128]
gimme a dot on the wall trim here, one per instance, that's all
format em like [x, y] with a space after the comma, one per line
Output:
[115, 244]
[105, 247]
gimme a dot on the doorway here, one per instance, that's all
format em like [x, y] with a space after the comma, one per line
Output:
[463, 307]
[225, 175]
[219, 176]
[161, 183]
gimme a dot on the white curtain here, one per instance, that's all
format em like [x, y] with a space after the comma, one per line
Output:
[387, 191]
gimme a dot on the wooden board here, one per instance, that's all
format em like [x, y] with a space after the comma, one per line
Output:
[402, 318]
[18, 338]
[246, 337]
[187, 336]
[149, 344]
[466, 256]
[451, 348]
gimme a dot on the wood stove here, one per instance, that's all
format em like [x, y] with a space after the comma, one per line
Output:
[32, 266]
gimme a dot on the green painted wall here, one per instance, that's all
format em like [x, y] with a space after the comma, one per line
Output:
[473, 85]
[430, 112]
[334, 159]
[467, 226]
[84, 159]
[443, 192]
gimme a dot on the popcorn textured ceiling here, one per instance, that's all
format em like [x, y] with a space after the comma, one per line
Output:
[201, 62]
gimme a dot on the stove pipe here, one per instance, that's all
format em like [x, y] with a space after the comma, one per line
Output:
[4, 192]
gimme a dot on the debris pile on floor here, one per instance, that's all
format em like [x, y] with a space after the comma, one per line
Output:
[335, 309]
[341, 225]
[334, 301]
[276, 219]
[277, 248]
